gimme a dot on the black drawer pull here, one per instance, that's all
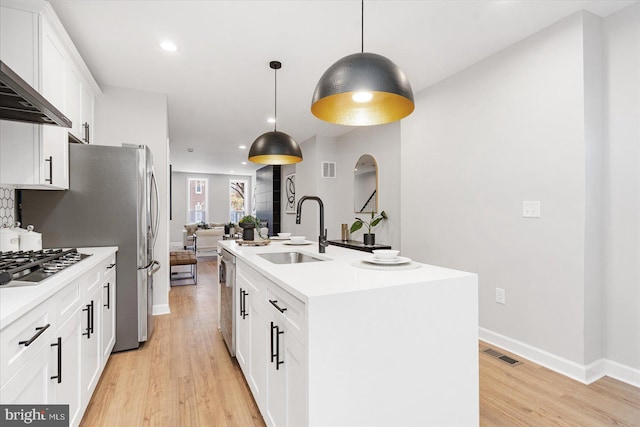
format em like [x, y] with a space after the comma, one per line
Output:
[40, 330]
[275, 304]
[110, 266]
[59, 345]
[108, 288]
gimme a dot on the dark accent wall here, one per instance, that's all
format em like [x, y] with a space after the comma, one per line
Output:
[268, 197]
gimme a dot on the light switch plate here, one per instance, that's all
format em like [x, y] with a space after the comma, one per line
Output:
[531, 209]
[500, 296]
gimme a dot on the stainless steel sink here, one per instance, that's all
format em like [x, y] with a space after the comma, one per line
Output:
[289, 257]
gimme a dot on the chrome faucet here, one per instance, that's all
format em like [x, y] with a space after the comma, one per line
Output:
[322, 239]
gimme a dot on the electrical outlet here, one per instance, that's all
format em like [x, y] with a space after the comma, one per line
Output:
[531, 209]
[500, 296]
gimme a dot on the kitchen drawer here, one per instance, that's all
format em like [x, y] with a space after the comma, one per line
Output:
[253, 281]
[108, 266]
[68, 300]
[92, 279]
[292, 310]
[13, 354]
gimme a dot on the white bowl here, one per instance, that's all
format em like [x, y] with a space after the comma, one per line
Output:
[385, 253]
[297, 239]
[284, 234]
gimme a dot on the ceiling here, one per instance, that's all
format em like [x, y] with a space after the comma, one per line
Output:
[219, 85]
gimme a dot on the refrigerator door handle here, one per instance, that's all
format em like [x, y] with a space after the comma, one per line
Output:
[156, 220]
[155, 269]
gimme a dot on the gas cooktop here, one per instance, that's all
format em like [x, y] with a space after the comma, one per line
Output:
[24, 268]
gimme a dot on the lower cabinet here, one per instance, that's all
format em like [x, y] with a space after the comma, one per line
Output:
[270, 347]
[90, 342]
[108, 311]
[57, 351]
[64, 380]
[285, 404]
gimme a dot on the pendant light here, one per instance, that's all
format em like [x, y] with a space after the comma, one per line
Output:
[362, 89]
[275, 148]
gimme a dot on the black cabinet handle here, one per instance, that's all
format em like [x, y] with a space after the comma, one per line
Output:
[108, 287]
[89, 309]
[91, 316]
[110, 266]
[275, 349]
[243, 303]
[59, 345]
[39, 332]
[275, 304]
[50, 179]
[85, 126]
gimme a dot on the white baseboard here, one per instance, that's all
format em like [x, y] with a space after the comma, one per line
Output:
[161, 309]
[585, 374]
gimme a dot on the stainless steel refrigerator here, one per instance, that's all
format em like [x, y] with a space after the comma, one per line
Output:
[112, 201]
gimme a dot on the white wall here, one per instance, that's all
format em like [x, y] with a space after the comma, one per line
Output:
[507, 129]
[136, 117]
[218, 206]
[622, 186]
[383, 143]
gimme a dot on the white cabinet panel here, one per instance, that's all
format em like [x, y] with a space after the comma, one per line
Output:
[108, 311]
[65, 372]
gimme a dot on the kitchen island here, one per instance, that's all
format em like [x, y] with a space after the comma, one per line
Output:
[337, 341]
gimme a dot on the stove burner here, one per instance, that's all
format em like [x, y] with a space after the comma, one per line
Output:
[31, 267]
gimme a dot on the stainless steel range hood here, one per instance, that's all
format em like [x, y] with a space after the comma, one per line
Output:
[20, 102]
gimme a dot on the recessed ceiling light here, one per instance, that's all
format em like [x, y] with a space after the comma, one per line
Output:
[243, 163]
[168, 46]
[242, 147]
[271, 120]
[190, 150]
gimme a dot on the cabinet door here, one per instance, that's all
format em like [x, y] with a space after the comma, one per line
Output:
[87, 114]
[90, 342]
[286, 378]
[108, 313]
[65, 367]
[242, 326]
[73, 102]
[31, 383]
[257, 354]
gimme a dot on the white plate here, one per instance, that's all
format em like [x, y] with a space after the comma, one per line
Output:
[298, 244]
[279, 238]
[393, 261]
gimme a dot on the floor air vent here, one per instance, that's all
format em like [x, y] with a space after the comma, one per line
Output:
[504, 358]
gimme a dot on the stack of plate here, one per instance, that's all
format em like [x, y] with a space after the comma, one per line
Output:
[387, 257]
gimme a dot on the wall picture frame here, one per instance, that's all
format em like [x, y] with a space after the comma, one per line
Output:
[290, 193]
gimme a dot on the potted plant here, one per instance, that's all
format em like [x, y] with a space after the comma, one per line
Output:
[229, 228]
[369, 237]
[248, 223]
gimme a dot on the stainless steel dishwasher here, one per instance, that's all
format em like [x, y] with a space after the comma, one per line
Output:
[226, 299]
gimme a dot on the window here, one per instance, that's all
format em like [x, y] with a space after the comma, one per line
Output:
[237, 200]
[197, 201]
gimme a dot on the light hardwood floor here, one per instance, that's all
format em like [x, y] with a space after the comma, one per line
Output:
[184, 377]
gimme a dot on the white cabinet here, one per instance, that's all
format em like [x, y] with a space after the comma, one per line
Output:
[91, 344]
[251, 335]
[56, 352]
[108, 337]
[271, 330]
[65, 358]
[33, 44]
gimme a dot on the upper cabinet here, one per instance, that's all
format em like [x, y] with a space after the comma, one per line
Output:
[34, 44]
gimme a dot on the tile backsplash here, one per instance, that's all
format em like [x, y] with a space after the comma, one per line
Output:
[7, 205]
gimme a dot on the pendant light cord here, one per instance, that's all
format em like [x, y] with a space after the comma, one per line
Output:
[275, 99]
[362, 27]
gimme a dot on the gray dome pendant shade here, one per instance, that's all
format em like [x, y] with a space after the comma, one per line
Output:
[275, 148]
[338, 97]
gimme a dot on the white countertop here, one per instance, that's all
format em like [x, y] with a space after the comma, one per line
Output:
[334, 276]
[18, 300]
